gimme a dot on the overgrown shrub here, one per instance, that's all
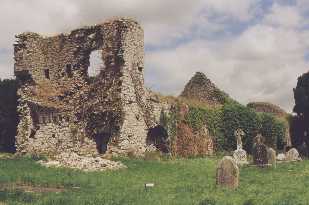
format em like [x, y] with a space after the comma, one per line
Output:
[188, 143]
[273, 131]
[184, 144]
[221, 123]
[238, 116]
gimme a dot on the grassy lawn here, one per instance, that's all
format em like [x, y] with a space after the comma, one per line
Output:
[185, 181]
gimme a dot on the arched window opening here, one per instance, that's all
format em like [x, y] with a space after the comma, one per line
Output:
[46, 73]
[68, 70]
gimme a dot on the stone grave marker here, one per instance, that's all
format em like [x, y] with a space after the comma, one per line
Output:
[227, 173]
[239, 154]
[271, 156]
[292, 155]
[259, 151]
[281, 157]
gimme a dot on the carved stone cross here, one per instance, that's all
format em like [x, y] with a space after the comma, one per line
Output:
[239, 133]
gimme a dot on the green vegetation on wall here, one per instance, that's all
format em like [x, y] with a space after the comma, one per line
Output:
[238, 116]
[223, 121]
[273, 130]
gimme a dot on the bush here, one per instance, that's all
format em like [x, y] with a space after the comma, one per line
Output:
[273, 130]
[222, 123]
[196, 118]
[184, 144]
[238, 116]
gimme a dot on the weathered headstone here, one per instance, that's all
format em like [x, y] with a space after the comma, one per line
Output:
[239, 154]
[240, 157]
[303, 150]
[292, 155]
[271, 155]
[227, 173]
[281, 157]
[259, 151]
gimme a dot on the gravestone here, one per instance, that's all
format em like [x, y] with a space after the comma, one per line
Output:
[239, 154]
[227, 173]
[271, 156]
[303, 150]
[240, 157]
[292, 155]
[259, 151]
[281, 157]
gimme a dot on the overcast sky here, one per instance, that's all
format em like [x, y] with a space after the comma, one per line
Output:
[252, 49]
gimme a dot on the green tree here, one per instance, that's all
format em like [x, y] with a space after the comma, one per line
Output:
[238, 116]
[273, 130]
[301, 96]
[8, 115]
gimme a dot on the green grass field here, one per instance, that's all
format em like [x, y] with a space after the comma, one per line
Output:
[181, 181]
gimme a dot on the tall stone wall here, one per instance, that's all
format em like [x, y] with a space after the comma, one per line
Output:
[61, 108]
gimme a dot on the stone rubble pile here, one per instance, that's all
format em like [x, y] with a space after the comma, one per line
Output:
[75, 161]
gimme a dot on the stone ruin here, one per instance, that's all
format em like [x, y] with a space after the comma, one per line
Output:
[63, 108]
[201, 88]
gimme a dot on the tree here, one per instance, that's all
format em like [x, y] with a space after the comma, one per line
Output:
[8, 115]
[301, 95]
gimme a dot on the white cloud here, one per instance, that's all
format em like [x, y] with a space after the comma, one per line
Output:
[284, 16]
[238, 9]
[262, 64]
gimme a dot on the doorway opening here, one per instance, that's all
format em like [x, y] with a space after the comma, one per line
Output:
[158, 137]
[102, 140]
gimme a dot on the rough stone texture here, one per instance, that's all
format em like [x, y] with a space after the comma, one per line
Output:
[292, 155]
[62, 108]
[74, 161]
[271, 156]
[202, 89]
[265, 107]
[227, 174]
[259, 151]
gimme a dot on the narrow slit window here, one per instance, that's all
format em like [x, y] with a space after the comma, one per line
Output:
[46, 73]
[68, 71]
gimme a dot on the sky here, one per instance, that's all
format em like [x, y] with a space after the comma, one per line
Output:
[254, 50]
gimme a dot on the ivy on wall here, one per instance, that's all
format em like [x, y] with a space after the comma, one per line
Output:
[221, 123]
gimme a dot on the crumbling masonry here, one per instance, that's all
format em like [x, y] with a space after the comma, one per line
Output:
[63, 109]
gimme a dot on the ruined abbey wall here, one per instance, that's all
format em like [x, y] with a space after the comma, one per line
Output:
[61, 108]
